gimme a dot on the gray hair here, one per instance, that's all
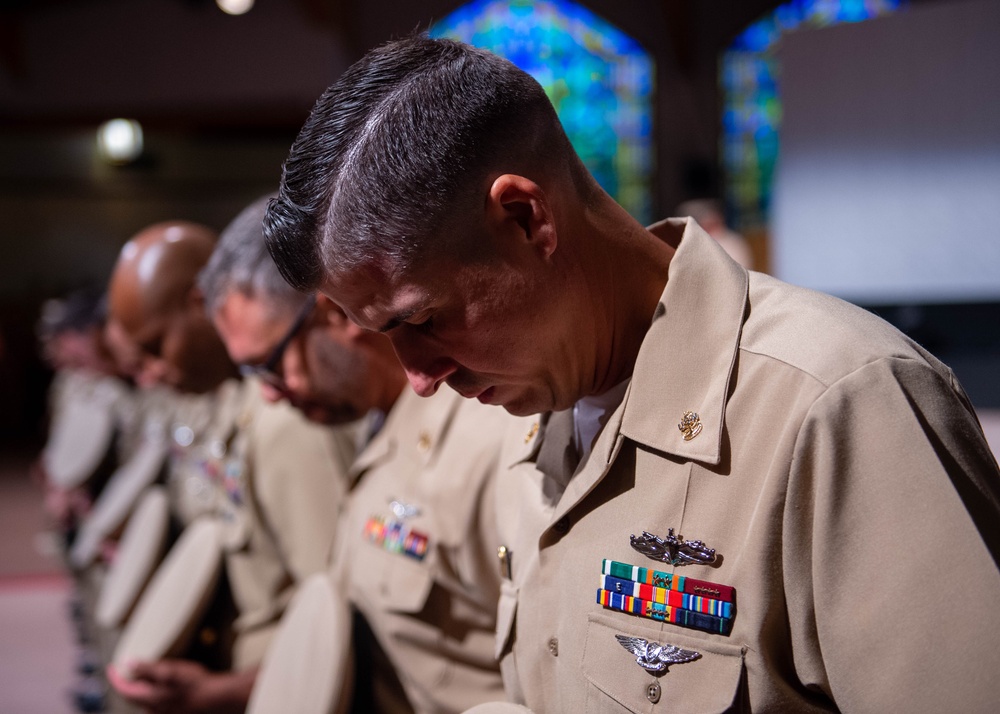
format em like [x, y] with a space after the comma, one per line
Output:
[240, 262]
[395, 154]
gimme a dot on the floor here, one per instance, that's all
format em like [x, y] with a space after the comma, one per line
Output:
[37, 648]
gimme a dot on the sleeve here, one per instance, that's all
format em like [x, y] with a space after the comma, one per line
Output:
[891, 548]
[301, 479]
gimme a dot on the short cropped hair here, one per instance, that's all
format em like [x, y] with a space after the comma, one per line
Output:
[79, 311]
[397, 148]
[241, 263]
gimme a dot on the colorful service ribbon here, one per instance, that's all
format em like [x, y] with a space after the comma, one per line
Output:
[666, 597]
[673, 598]
[668, 581]
[664, 613]
[396, 537]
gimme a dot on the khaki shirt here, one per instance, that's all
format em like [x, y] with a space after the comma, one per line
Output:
[839, 473]
[280, 484]
[89, 428]
[198, 427]
[432, 610]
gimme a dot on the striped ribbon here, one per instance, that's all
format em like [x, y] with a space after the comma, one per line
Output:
[396, 537]
[663, 613]
[673, 598]
[668, 581]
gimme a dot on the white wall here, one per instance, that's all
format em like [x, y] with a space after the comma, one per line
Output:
[888, 186]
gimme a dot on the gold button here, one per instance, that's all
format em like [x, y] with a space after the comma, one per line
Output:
[424, 441]
[554, 647]
[653, 692]
[531, 433]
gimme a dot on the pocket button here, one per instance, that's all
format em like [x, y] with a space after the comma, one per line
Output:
[653, 692]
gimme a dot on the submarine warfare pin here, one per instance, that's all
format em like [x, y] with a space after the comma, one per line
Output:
[673, 549]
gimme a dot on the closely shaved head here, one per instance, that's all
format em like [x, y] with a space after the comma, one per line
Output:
[155, 303]
[156, 270]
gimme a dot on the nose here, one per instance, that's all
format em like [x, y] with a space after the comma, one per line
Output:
[426, 385]
[425, 369]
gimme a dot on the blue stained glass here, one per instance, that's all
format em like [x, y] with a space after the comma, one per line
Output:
[599, 80]
[751, 117]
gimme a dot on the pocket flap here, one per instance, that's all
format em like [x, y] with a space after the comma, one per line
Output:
[393, 581]
[705, 685]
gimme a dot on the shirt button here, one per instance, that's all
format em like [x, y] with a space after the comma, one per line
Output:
[554, 647]
[561, 526]
[653, 692]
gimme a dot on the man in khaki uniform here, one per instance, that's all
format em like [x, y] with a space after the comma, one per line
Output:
[418, 552]
[416, 547]
[271, 478]
[775, 489]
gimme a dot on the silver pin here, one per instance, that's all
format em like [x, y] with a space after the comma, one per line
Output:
[403, 510]
[184, 435]
[673, 549]
[654, 657]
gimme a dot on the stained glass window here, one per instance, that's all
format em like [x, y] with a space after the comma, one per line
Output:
[749, 76]
[599, 79]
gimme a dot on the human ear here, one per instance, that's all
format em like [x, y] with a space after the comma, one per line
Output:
[519, 205]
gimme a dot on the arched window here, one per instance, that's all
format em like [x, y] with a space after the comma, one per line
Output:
[599, 79]
[752, 105]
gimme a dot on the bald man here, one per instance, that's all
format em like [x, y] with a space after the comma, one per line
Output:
[153, 300]
[271, 479]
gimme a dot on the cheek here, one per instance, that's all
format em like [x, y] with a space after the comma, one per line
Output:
[295, 370]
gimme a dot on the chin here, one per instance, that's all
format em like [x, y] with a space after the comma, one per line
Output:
[330, 416]
[526, 405]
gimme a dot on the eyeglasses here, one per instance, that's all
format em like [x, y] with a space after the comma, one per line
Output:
[267, 371]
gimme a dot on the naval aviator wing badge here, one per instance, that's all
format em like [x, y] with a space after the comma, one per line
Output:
[654, 657]
[402, 511]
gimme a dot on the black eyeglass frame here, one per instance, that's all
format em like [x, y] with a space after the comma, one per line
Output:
[268, 369]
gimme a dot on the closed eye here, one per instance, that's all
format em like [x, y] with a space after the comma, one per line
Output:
[424, 322]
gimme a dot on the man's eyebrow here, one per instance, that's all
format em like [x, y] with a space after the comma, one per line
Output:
[400, 318]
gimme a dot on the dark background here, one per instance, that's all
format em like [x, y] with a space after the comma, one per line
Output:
[221, 98]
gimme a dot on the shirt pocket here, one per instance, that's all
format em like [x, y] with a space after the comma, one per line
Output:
[392, 582]
[708, 684]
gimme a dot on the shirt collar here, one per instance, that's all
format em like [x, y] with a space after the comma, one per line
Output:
[425, 421]
[686, 360]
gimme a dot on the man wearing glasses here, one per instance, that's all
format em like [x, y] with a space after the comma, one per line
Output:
[274, 481]
[415, 552]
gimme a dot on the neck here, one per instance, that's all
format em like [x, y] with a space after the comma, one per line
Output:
[629, 264]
